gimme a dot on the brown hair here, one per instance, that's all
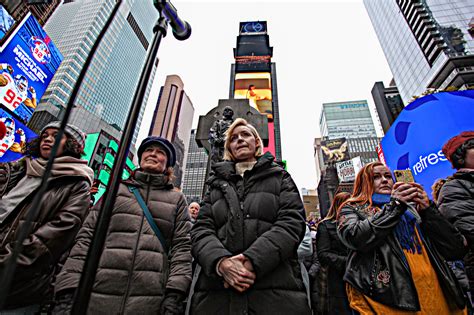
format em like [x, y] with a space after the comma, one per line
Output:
[241, 122]
[363, 185]
[337, 202]
[436, 188]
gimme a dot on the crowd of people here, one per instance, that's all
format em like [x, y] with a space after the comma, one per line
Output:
[385, 248]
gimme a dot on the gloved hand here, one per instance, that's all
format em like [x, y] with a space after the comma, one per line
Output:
[173, 303]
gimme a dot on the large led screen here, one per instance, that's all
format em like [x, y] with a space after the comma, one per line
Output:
[6, 22]
[13, 142]
[28, 61]
[257, 88]
[415, 139]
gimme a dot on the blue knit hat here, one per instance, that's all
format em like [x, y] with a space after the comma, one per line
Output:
[163, 143]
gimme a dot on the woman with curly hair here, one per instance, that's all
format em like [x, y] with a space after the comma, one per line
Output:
[399, 245]
[62, 209]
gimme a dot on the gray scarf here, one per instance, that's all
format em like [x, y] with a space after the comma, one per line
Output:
[63, 166]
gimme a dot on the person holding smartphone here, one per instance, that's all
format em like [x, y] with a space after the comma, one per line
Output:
[398, 243]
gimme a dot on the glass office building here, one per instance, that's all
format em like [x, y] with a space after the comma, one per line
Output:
[195, 172]
[350, 119]
[106, 93]
[427, 43]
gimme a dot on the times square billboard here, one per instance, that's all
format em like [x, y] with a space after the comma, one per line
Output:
[257, 88]
[28, 62]
[415, 139]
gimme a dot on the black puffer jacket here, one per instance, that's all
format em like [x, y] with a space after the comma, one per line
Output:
[260, 216]
[456, 203]
[333, 254]
[376, 249]
[64, 207]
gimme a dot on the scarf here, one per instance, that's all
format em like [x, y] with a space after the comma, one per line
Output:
[405, 229]
[241, 167]
[63, 166]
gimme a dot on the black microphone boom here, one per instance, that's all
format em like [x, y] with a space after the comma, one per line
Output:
[181, 29]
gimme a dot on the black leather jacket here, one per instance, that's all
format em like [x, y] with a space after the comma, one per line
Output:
[376, 266]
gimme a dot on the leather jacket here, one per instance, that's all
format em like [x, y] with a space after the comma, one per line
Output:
[375, 251]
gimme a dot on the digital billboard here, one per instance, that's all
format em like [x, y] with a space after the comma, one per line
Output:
[257, 88]
[101, 159]
[6, 22]
[335, 150]
[28, 61]
[415, 139]
[13, 143]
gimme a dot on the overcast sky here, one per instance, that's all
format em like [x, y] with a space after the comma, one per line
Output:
[325, 51]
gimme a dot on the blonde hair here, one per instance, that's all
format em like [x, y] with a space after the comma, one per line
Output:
[237, 123]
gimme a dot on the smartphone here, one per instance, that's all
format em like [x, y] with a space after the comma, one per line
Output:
[404, 176]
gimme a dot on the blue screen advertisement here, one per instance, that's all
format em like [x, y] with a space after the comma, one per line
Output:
[14, 141]
[415, 139]
[28, 61]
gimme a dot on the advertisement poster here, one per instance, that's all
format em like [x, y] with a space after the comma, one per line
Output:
[14, 141]
[335, 150]
[28, 61]
[415, 139]
[347, 170]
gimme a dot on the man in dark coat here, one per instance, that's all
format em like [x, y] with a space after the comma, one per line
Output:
[456, 198]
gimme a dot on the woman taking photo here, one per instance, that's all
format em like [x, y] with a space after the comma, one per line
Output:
[399, 244]
[63, 207]
[332, 254]
[247, 234]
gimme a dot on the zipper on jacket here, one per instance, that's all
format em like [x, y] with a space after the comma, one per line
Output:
[125, 296]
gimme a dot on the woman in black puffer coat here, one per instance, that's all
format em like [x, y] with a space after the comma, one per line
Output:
[247, 234]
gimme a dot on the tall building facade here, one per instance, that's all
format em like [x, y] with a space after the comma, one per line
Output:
[350, 119]
[388, 103]
[107, 90]
[253, 77]
[172, 119]
[195, 173]
[427, 43]
[41, 9]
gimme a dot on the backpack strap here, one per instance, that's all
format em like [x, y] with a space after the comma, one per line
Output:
[148, 216]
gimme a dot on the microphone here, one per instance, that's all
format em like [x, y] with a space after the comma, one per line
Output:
[181, 29]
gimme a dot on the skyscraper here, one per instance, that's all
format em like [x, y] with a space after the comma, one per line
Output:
[350, 119]
[387, 102]
[253, 77]
[195, 173]
[427, 43]
[172, 119]
[106, 93]
[41, 10]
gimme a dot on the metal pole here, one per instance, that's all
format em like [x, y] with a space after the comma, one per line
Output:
[82, 295]
[25, 229]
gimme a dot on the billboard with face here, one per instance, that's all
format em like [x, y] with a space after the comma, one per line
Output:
[335, 150]
[28, 61]
[257, 88]
[14, 138]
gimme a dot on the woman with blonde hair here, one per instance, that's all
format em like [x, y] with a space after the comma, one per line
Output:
[399, 245]
[248, 232]
[332, 254]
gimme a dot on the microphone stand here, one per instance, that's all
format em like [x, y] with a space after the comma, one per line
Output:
[83, 292]
[24, 230]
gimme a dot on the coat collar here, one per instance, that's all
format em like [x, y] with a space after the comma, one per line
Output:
[157, 181]
[226, 169]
